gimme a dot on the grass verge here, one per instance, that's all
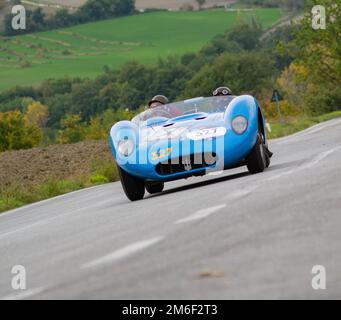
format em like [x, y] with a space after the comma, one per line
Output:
[291, 126]
[15, 196]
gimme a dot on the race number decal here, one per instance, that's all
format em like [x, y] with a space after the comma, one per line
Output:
[161, 154]
[206, 133]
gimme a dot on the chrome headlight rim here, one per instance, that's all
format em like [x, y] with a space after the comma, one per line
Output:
[240, 124]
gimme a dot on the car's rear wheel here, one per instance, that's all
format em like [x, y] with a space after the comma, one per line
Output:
[133, 187]
[155, 187]
[256, 161]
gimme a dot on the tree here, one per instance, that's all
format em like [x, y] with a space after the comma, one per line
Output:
[37, 114]
[110, 117]
[318, 52]
[62, 18]
[73, 130]
[292, 87]
[16, 134]
[101, 9]
[244, 72]
[85, 99]
[95, 130]
[38, 16]
[246, 35]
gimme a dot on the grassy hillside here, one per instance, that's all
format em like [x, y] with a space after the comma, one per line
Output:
[84, 50]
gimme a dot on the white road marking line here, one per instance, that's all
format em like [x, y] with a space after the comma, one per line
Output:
[201, 214]
[285, 173]
[23, 294]
[241, 193]
[122, 253]
[33, 225]
[306, 165]
[319, 158]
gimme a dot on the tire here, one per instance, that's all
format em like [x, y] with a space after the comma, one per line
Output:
[133, 187]
[155, 188]
[257, 161]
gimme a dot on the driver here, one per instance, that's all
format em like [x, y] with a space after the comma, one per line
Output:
[222, 91]
[227, 92]
[160, 100]
[157, 101]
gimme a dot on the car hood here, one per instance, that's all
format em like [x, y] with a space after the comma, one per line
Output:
[195, 127]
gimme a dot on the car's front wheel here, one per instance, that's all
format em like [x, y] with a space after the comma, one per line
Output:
[133, 187]
[256, 161]
[155, 188]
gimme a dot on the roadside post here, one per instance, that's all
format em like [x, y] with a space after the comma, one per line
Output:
[276, 97]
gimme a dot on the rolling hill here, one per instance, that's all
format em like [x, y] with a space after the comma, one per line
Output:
[85, 49]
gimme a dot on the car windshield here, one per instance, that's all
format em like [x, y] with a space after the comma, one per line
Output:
[183, 108]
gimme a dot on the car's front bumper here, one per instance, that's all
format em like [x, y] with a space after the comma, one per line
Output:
[229, 150]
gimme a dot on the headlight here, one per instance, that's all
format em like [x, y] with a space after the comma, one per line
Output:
[239, 124]
[126, 147]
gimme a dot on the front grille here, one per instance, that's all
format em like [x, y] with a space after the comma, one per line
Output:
[186, 164]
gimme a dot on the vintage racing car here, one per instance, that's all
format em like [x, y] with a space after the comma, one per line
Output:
[189, 138]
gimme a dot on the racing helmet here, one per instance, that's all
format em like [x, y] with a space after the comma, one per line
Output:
[222, 91]
[159, 99]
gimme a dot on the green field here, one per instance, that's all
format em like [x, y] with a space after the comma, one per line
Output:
[85, 49]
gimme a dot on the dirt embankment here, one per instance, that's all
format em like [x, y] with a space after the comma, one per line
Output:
[39, 165]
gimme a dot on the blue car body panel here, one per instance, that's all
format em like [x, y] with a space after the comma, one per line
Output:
[230, 148]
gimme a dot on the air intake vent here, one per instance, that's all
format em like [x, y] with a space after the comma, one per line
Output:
[186, 164]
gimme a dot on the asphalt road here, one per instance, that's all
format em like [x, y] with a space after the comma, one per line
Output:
[220, 237]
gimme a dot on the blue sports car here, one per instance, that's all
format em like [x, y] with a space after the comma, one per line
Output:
[189, 138]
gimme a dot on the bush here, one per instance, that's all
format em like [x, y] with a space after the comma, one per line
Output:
[106, 170]
[16, 133]
[98, 179]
